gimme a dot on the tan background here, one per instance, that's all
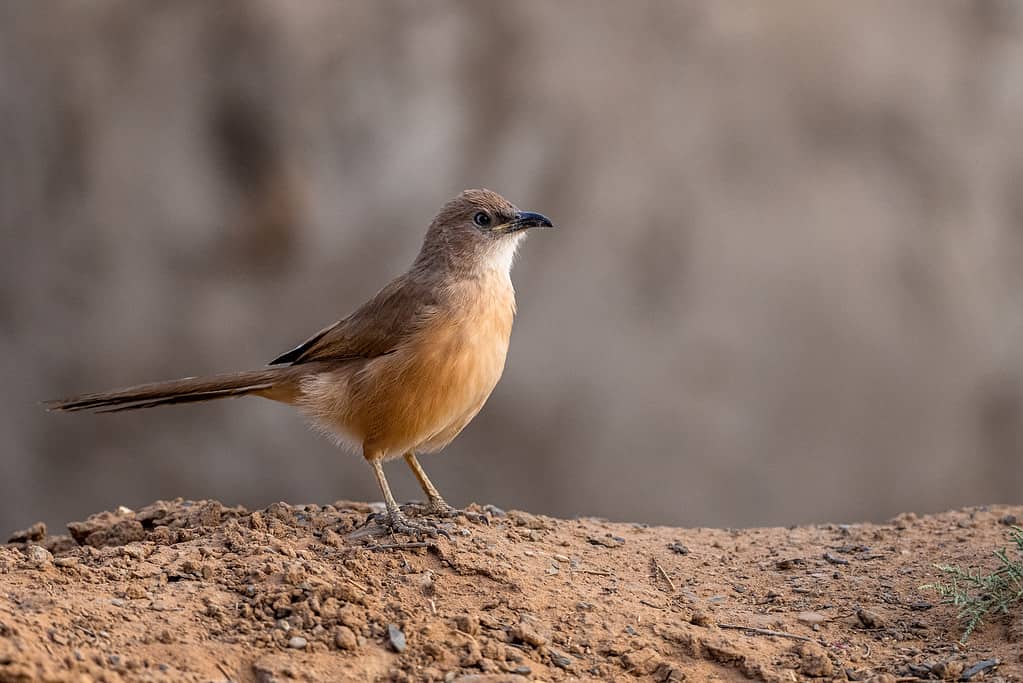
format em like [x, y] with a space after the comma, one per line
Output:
[786, 287]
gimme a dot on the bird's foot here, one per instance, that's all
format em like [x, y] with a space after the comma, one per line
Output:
[441, 508]
[398, 523]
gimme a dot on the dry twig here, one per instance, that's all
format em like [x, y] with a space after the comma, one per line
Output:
[766, 632]
[660, 570]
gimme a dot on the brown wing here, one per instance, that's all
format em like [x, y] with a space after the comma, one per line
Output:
[377, 328]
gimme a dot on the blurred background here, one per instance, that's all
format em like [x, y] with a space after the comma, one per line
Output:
[786, 285]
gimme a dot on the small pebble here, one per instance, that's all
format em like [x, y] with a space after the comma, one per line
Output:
[608, 541]
[833, 559]
[560, 660]
[297, 643]
[788, 563]
[39, 556]
[396, 637]
[978, 668]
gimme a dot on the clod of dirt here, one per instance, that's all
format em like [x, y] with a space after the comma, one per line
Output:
[811, 618]
[527, 632]
[345, 639]
[789, 563]
[948, 670]
[678, 548]
[700, 618]
[607, 540]
[34, 533]
[814, 660]
[882, 678]
[870, 619]
[197, 591]
[644, 661]
[106, 530]
[468, 623]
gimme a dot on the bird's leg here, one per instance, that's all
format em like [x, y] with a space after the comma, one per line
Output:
[396, 520]
[437, 506]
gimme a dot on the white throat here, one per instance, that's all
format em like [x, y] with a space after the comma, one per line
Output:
[502, 253]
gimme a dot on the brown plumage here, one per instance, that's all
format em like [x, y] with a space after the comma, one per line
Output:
[408, 370]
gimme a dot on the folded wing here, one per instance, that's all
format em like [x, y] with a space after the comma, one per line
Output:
[377, 328]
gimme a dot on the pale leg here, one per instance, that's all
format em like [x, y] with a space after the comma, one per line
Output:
[396, 521]
[437, 505]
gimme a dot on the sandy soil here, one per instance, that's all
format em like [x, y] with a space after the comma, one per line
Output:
[196, 591]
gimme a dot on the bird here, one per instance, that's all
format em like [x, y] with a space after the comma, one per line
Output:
[403, 374]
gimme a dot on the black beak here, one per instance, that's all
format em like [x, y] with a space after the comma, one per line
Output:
[527, 219]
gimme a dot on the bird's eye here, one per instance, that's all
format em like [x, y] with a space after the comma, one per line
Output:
[481, 219]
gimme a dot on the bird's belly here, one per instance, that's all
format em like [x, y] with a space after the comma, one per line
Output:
[423, 393]
[422, 397]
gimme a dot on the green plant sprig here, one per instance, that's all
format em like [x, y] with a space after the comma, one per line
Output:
[979, 595]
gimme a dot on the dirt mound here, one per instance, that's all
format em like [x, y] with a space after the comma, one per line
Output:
[196, 591]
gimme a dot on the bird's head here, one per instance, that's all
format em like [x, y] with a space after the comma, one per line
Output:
[479, 230]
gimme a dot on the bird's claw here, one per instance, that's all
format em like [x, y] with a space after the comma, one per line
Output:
[448, 512]
[445, 511]
[398, 523]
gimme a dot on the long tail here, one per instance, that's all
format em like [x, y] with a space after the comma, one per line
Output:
[186, 390]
